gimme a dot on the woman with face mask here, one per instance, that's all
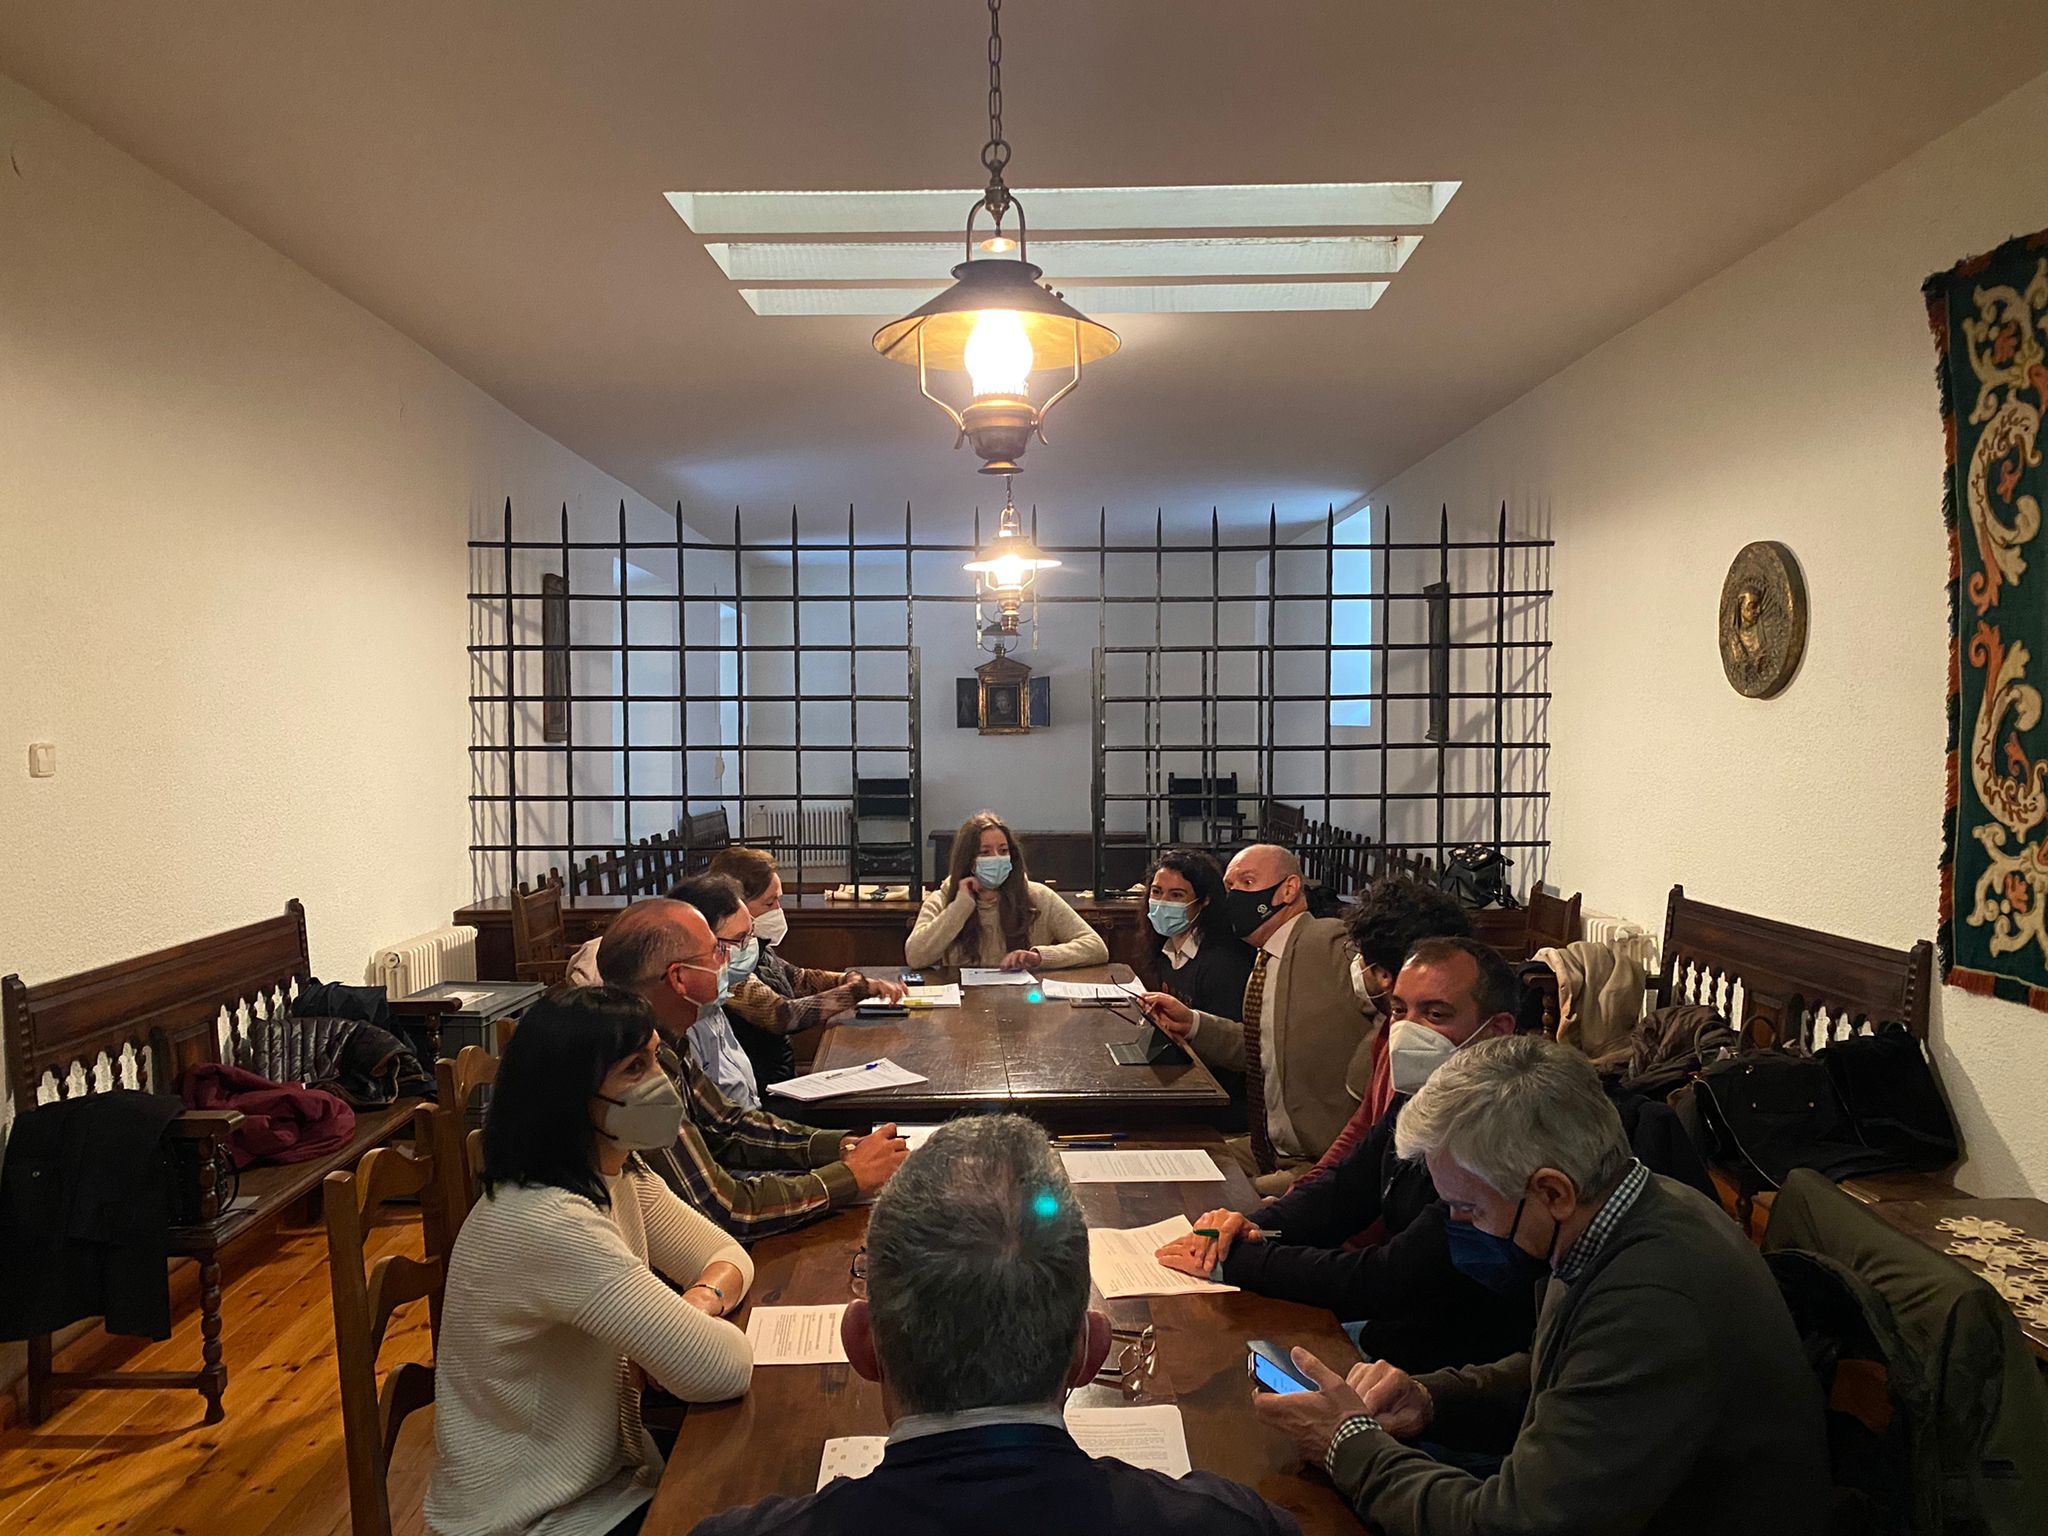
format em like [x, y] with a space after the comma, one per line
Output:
[773, 999]
[989, 911]
[1196, 956]
[557, 1307]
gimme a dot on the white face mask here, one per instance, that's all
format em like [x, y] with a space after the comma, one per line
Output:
[648, 1117]
[1362, 987]
[771, 927]
[1414, 1051]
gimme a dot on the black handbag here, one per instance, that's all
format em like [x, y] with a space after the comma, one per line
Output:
[1886, 1085]
[1768, 1112]
[1477, 876]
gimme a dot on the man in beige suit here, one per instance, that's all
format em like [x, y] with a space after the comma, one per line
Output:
[1307, 1041]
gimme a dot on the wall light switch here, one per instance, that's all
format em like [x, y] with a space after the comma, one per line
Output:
[42, 759]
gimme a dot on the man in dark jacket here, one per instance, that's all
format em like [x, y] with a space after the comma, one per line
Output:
[1666, 1391]
[980, 1223]
[1416, 1310]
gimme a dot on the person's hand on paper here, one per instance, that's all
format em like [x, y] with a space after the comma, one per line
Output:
[1020, 960]
[887, 991]
[1402, 1404]
[1168, 1012]
[1197, 1254]
[1310, 1419]
[874, 1159]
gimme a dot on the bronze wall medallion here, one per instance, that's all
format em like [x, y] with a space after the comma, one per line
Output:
[1763, 620]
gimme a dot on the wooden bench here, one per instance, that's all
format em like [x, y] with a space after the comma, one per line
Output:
[142, 1023]
[1780, 984]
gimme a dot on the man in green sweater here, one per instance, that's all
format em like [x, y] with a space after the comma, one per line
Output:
[1666, 1390]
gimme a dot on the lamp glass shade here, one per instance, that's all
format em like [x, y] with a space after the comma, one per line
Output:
[1049, 324]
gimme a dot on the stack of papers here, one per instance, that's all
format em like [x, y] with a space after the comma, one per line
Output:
[1092, 991]
[1153, 1437]
[1121, 1262]
[796, 1335]
[882, 1073]
[1159, 1165]
[988, 976]
[946, 996]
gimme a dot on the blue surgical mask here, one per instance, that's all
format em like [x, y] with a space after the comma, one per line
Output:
[1498, 1263]
[1170, 917]
[742, 964]
[992, 870]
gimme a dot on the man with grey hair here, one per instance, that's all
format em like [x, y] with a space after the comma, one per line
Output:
[751, 1172]
[1307, 1042]
[1666, 1390]
[975, 1326]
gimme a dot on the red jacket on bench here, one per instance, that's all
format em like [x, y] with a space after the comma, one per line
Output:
[282, 1122]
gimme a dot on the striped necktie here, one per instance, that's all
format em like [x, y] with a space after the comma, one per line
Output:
[1255, 1065]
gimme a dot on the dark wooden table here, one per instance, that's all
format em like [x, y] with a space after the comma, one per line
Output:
[832, 935]
[770, 1441]
[1000, 1050]
[1922, 1219]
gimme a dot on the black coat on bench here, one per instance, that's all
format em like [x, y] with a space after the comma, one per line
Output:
[85, 1203]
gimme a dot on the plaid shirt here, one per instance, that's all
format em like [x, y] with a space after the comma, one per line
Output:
[784, 999]
[1594, 1238]
[718, 1135]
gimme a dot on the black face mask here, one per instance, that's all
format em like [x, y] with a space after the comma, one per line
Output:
[1248, 909]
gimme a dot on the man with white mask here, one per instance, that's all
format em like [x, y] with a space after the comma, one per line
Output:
[1409, 1299]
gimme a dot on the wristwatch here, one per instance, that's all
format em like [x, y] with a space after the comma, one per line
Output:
[1350, 1429]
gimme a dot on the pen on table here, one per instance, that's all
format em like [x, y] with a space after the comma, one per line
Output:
[1089, 1138]
[1086, 1146]
[1212, 1234]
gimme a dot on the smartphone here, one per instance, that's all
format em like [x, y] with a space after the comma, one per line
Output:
[1271, 1369]
[912, 978]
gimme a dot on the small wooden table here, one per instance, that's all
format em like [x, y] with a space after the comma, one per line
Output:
[770, 1441]
[1000, 1050]
[1922, 1219]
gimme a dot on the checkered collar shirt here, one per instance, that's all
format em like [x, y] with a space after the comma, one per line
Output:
[1594, 1238]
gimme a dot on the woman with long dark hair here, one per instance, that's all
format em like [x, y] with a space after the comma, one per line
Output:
[1195, 956]
[557, 1307]
[990, 912]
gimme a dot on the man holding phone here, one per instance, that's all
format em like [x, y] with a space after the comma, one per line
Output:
[1666, 1389]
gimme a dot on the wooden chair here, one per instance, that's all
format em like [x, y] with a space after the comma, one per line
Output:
[1280, 822]
[364, 1304]
[540, 939]
[456, 1142]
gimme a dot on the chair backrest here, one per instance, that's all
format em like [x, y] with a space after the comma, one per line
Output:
[450, 1128]
[539, 933]
[1553, 920]
[364, 1303]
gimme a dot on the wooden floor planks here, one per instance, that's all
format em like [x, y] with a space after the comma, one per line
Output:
[112, 1463]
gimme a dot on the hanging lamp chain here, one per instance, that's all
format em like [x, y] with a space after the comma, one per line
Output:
[995, 154]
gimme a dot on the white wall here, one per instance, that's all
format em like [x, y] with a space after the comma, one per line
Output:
[233, 509]
[1792, 397]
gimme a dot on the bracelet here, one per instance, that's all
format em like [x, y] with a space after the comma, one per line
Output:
[706, 1285]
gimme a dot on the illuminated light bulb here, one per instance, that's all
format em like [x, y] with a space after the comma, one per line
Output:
[998, 353]
[1006, 572]
[999, 245]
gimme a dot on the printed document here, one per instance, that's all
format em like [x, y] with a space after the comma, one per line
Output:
[880, 1073]
[946, 996]
[1158, 1165]
[988, 976]
[796, 1335]
[1091, 991]
[1121, 1262]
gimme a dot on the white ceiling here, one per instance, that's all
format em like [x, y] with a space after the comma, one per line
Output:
[487, 175]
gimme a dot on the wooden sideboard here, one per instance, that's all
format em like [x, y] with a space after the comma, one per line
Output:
[832, 935]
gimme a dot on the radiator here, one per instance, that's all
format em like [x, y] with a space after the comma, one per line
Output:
[1630, 938]
[446, 954]
[815, 829]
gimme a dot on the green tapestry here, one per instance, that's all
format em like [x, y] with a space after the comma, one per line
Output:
[1990, 319]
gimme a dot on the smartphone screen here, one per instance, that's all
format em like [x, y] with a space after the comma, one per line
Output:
[1269, 1377]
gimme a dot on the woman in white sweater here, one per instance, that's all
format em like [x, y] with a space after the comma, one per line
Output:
[555, 1312]
[990, 912]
